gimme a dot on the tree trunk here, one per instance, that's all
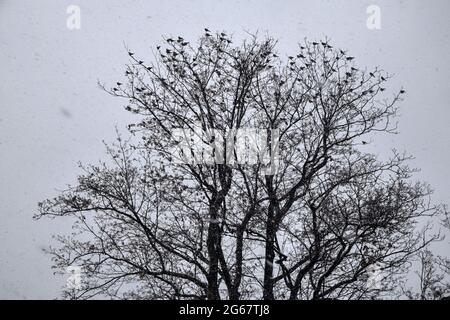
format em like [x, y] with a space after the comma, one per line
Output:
[213, 243]
[269, 255]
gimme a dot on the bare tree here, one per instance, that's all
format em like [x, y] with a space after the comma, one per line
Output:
[433, 278]
[306, 220]
[433, 274]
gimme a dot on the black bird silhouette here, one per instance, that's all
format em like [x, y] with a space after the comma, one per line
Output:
[140, 62]
[119, 83]
[282, 258]
[208, 35]
[131, 53]
[371, 74]
[315, 43]
[158, 47]
[300, 56]
[364, 142]
[402, 91]
[207, 30]
[382, 89]
[169, 40]
[342, 52]
[223, 34]
[383, 78]
[350, 58]
[302, 48]
[354, 69]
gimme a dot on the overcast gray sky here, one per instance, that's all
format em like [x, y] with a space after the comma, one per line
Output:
[52, 114]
